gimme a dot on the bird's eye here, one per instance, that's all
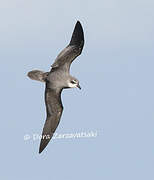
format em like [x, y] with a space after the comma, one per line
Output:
[73, 82]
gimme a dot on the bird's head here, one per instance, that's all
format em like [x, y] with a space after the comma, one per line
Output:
[73, 82]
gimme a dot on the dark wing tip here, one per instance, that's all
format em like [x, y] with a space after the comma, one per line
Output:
[78, 24]
[43, 144]
[40, 150]
[78, 35]
[42, 147]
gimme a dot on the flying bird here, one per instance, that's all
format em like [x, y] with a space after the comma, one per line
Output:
[56, 80]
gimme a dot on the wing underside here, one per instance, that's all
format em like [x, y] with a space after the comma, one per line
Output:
[54, 110]
[74, 49]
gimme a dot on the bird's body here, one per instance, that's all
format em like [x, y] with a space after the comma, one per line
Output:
[56, 80]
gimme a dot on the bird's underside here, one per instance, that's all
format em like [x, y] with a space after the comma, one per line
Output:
[56, 80]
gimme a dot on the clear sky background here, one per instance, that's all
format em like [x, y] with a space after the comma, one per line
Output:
[116, 74]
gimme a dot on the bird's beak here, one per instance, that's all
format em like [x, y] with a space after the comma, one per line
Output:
[79, 86]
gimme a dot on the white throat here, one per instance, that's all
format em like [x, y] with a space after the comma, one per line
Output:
[72, 85]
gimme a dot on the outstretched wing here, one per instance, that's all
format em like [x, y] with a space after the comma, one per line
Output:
[74, 49]
[54, 110]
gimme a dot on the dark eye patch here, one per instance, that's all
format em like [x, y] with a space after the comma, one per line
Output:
[73, 82]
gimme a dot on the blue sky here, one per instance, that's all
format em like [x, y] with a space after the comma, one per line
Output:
[116, 74]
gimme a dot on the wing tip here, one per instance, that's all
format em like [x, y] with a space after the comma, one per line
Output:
[42, 146]
[78, 35]
[44, 141]
[78, 23]
[40, 150]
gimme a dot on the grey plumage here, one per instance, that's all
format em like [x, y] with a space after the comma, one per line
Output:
[56, 80]
[38, 75]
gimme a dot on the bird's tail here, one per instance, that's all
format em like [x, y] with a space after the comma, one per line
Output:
[38, 75]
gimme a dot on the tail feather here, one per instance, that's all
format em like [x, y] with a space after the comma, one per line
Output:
[37, 75]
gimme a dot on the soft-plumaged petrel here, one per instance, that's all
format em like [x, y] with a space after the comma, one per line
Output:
[56, 80]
